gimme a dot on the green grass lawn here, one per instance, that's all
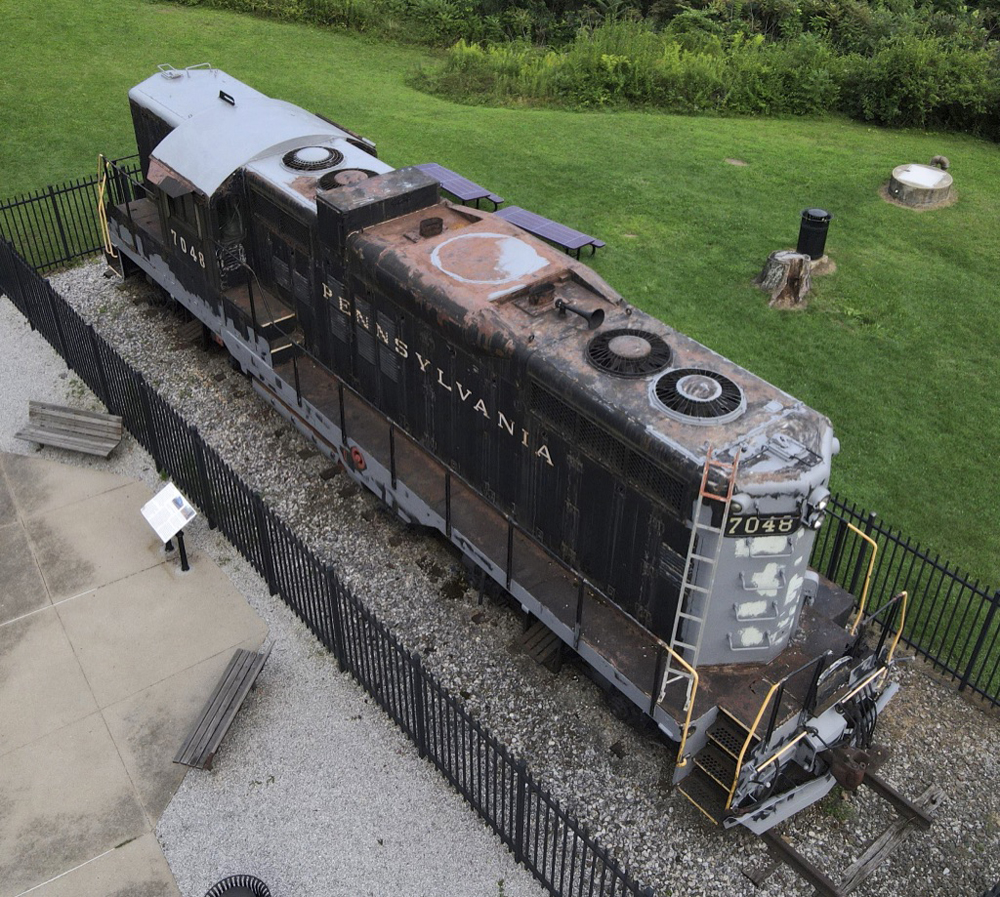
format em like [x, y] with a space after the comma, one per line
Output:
[899, 346]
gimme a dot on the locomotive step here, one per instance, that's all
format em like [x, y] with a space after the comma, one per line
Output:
[280, 321]
[543, 646]
[706, 794]
[717, 763]
[284, 348]
[730, 734]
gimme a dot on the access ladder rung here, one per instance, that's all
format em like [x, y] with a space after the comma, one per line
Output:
[695, 588]
[710, 529]
[701, 557]
[691, 617]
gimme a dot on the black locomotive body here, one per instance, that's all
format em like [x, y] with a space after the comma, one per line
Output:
[650, 502]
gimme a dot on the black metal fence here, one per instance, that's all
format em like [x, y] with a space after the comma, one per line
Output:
[951, 618]
[53, 227]
[543, 836]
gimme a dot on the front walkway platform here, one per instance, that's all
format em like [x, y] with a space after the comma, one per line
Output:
[107, 654]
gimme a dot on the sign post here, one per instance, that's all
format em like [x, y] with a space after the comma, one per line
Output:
[168, 512]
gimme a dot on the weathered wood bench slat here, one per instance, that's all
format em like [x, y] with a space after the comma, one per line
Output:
[72, 428]
[198, 749]
[90, 446]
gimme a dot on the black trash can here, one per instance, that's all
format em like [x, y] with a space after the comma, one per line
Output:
[812, 232]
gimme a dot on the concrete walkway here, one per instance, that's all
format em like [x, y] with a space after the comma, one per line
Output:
[107, 654]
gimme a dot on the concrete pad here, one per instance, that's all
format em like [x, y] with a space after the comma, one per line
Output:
[95, 541]
[64, 799]
[38, 485]
[150, 726]
[8, 514]
[139, 630]
[136, 869]
[42, 688]
[23, 589]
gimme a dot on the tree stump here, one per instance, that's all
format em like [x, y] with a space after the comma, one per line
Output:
[787, 276]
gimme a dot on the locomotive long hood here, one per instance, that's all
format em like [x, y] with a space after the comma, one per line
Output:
[497, 289]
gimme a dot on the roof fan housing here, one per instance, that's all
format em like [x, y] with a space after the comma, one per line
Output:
[628, 352]
[344, 178]
[312, 158]
[699, 396]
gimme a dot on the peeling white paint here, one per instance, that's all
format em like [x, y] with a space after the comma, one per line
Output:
[750, 610]
[768, 546]
[794, 589]
[467, 258]
[751, 637]
[767, 582]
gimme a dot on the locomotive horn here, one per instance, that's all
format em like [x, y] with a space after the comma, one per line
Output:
[593, 318]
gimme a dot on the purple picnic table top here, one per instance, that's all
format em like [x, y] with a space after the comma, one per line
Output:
[455, 184]
[548, 229]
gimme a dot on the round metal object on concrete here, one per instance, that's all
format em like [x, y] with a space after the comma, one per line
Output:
[922, 186]
[239, 886]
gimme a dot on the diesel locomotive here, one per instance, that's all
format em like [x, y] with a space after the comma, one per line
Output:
[646, 500]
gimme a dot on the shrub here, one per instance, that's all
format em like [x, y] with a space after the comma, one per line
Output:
[918, 82]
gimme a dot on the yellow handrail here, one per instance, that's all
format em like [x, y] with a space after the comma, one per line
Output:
[746, 744]
[102, 214]
[682, 761]
[868, 576]
[899, 632]
[784, 750]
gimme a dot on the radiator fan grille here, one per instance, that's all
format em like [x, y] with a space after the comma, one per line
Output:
[628, 353]
[700, 396]
[312, 158]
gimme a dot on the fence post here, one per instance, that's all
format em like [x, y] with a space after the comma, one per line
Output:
[990, 614]
[57, 320]
[106, 398]
[265, 543]
[339, 648]
[859, 563]
[59, 224]
[147, 413]
[21, 301]
[520, 802]
[419, 704]
[207, 504]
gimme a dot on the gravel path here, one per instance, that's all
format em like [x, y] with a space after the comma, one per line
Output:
[609, 773]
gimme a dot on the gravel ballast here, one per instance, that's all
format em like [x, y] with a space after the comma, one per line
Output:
[612, 775]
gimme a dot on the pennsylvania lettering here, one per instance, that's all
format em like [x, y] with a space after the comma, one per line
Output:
[429, 369]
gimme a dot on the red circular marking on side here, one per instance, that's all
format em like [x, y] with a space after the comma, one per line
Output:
[359, 459]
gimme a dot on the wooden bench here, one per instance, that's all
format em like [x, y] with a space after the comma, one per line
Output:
[221, 708]
[569, 239]
[72, 428]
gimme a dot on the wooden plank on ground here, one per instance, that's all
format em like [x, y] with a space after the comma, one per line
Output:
[885, 843]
